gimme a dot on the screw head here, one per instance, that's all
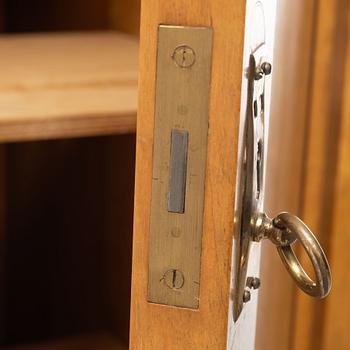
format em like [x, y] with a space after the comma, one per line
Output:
[253, 282]
[174, 279]
[266, 67]
[246, 296]
[184, 56]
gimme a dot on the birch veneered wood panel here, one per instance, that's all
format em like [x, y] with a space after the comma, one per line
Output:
[337, 318]
[156, 326]
[70, 84]
[284, 180]
[321, 158]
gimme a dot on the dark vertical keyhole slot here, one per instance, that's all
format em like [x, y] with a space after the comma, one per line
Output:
[255, 106]
[262, 102]
[259, 168]
[178, 171]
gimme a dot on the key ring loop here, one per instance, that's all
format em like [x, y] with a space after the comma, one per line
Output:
[319, 288]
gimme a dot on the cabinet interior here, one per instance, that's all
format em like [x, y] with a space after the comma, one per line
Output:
[67, 228]
[66, 204]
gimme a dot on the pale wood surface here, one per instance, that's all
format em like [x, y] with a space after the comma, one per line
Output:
[160, 327]
[85, 342]
[293, 49]
[62, 85]
[321, 157]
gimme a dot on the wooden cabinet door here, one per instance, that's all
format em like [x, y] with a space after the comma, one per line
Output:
[236, 33]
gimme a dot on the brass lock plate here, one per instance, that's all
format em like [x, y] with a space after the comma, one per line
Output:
[179, 162]
[251, 183]
[250, 180]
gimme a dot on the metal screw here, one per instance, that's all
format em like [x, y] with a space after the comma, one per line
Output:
[184, 56]
[264, 68]
[174, 279]
[253, 282]
[246, 296]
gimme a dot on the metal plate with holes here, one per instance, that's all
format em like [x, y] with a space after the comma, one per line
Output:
[250, 187]
[179, 161]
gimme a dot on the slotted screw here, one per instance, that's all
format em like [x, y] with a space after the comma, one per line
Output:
[174, 279]
[184, 56]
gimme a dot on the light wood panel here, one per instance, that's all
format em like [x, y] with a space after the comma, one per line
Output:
[156, 326]
[287, 127]
[64, 85]
[85, 342]
[337, 317]
[322, 156]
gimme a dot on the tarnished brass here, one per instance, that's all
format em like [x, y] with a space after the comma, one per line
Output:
[283, 231]
[252, 225]
[251, 177]
[179, 161]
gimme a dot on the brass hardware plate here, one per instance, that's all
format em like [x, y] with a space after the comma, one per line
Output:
[251, 184]
[252, 224]
[179, 162]
[250, 189]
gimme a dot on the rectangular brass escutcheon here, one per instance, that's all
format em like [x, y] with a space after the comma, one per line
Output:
[179, 162]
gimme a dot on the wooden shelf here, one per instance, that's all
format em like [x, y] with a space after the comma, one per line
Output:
[59, 85]
[102, 341]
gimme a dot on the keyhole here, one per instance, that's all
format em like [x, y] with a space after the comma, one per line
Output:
[183, 56]
[259, 168]
[255, 107]
[174, 278]
[262, 102]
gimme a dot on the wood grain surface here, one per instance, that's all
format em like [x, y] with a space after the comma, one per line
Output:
[160, 327]
[337, 317]
[64, 85]
[321, 159]
[284, 173]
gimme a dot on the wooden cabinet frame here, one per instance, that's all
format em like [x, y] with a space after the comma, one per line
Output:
[155, 326]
